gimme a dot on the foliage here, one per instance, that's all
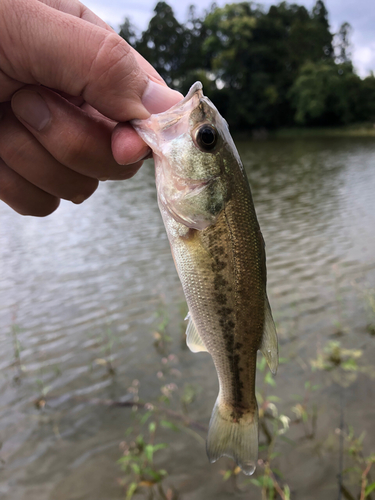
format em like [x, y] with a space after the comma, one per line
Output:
[262, 68]
[163, 43]
[137, 461]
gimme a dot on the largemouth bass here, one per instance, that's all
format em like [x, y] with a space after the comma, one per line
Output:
[218, 249]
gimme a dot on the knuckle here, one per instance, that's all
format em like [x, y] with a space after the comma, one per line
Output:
[112, 51]
[114, 65]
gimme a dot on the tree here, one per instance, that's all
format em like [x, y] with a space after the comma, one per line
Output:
[343, 44]
[128, 31]
[320, 94]
[164, 43]
[320, 16]
[262, 69]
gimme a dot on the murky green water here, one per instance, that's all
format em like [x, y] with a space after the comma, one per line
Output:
[86, 284]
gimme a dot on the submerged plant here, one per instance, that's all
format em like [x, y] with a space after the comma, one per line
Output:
[17, 349]
[138, 462]
[160, 333]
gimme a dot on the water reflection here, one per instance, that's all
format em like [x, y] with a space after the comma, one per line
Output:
[92, 276]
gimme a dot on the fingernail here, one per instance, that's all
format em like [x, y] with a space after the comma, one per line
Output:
[143, 156]
[31, 108]
[158, 98]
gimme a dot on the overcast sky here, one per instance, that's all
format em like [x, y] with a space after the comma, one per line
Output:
[359, 13]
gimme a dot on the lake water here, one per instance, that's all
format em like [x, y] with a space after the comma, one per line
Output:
[92, 283]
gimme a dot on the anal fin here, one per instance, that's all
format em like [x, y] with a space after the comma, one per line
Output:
[269, 346]
[193, 339]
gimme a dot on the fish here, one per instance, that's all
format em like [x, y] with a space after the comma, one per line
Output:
[207, 208]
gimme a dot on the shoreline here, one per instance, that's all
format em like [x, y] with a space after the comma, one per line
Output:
[359, 130]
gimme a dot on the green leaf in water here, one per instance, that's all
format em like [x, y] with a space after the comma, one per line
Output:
[269, 379]
[256, 482]
[145, 417]
[136, 468]
[287, 492]
[131, 490]
[369, 489]
[227, 475]
[273, 399]
[169, 425]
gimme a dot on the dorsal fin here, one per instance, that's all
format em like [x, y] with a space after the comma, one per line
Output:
[269, 347]
[193, 339]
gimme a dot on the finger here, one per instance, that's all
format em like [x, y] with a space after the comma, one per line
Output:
[74, 138]
[25, 155]
[23, 197]
[67, 53]
[124, 139]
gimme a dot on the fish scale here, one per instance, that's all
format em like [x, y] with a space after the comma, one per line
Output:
[218, 249]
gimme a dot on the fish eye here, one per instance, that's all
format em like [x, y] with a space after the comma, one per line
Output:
[206, 137]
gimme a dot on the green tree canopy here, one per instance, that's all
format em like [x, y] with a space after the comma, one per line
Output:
[164, 43]
[262, 68]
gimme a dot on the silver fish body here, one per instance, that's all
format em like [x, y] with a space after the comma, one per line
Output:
[208, 212]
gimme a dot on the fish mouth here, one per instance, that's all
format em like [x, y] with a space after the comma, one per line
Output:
[166, 121]
[196, 88]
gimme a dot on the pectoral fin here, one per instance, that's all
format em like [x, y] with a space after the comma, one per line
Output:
[269, 347]
[193, 339]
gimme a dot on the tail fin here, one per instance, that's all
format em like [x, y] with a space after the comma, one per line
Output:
[237, 439]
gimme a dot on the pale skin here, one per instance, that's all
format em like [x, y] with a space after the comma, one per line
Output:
[68, 87]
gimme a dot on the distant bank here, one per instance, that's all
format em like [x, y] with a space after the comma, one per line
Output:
[354, 130]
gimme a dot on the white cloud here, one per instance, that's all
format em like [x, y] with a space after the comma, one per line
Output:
[364, 59]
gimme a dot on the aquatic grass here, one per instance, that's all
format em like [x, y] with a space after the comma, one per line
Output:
[142, 443]
[368, 294]
[339, 323]
[281, 426]
[15, 330]
[137, 461]
[107, 342]
[160, 334]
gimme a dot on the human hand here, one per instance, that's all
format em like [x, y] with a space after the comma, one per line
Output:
[66, 80]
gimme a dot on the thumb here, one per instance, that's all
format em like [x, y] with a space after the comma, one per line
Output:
[69, 54]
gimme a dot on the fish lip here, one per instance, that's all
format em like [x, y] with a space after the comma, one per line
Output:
[196, 88]
[147, 129]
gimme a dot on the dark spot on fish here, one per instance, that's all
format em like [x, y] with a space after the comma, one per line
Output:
[220, 250]
[221, 298]
[238, 345]
[225, 311]
[219, 282]
[218, 265]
